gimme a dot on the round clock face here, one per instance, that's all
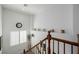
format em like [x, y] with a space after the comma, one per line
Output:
[18, 25]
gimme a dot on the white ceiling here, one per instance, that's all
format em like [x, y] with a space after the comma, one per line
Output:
[30, 8]
[33, 8]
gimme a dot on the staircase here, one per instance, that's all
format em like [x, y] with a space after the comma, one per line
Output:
[47, 46]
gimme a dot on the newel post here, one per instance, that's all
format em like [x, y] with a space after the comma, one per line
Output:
[49, 38]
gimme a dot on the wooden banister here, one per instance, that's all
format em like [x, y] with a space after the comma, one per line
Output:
[66, 41]
[49, 43]
[35, 45]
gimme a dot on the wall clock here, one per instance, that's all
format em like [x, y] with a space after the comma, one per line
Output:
[18, 25]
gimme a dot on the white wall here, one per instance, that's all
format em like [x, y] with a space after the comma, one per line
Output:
[76, 19]
[10, 18]
[0, 20]
[55, 17]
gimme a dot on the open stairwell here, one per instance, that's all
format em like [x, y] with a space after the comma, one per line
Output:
[47, 46]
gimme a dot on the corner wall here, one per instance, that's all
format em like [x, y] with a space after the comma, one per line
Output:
[10, 18]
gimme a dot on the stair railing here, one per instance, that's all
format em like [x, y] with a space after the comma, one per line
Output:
[44, 46]
[64, 44]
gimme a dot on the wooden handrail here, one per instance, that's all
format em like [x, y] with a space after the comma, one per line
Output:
[35, 45]
[49, 43]
[66, 41]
